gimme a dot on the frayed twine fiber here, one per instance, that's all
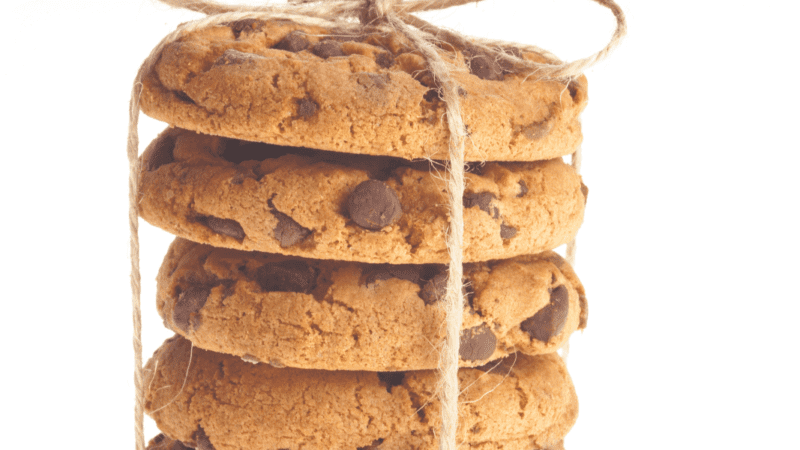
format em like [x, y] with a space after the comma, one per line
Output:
[394, 14]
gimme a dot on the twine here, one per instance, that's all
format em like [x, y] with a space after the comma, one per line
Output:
[396, 15]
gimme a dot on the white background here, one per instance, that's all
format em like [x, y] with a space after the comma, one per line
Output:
[688, 252]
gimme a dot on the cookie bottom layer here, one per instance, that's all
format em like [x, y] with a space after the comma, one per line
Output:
[520, 402]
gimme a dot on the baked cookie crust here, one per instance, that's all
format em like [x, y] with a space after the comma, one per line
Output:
[518, 403]
[334, 315]
[298, 202]
[369, 93]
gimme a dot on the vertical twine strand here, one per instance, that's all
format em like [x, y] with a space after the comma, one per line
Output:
[136, 278]
[454, 302]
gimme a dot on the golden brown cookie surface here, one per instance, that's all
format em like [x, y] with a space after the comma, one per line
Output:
[335, 315]
[322, 205]
[519, 403]
[368, 93]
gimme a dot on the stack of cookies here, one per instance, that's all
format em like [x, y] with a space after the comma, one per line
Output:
[302, 175]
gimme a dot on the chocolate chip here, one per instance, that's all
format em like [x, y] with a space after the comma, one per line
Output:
[287, 276]
[162, 153]
[287, 231]
[328, 49]
[536, 130]
[483, 201]
[550, 320]
[306, 108]
[462, 92]
[585, 192]
[189, 303]
[158, 439]
[477, 343]
[293, 42]
[384, 60]
[391, 379]
[385, 271]
[431, 96]
[483, 66]
[374, 446]
[374, 205]
[507, 232]
[200, 437]
[573, 89]
[227, 227]
[435, 289]
[246, 25]
[523, 188]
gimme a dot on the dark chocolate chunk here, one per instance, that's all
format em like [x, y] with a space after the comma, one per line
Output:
[287, 276]
[203, 443]
[307, 108]
[431, 96]
[327, 49]
[374, 205]
[523, 188]
[550, 320]
[189, 303]
[477, 343]
[391, 379]
[228, 227]
[482, 65]
[162, 153]
[384, 60]
[158, 439]
[483, 201]
[585, 192]
[287, 231]
[536, 130]
[435, 289]
[507, 232]
[246, 25]
[374, 446]
[293, 42]
[382, 272]
[573, 89]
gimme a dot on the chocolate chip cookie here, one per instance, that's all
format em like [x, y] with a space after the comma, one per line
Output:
[214, 401]
[164, 442]
[328, 205]
[366, 92]
[353, 316]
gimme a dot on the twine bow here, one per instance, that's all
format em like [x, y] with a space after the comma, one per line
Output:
[395, 14]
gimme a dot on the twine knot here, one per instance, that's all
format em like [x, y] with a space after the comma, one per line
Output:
[375, 11]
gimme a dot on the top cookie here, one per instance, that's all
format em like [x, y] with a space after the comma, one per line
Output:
[285, 83]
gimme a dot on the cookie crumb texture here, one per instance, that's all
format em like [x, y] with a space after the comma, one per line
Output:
[333, 315]
[223, 403]
[368, 93]
[310, 203]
